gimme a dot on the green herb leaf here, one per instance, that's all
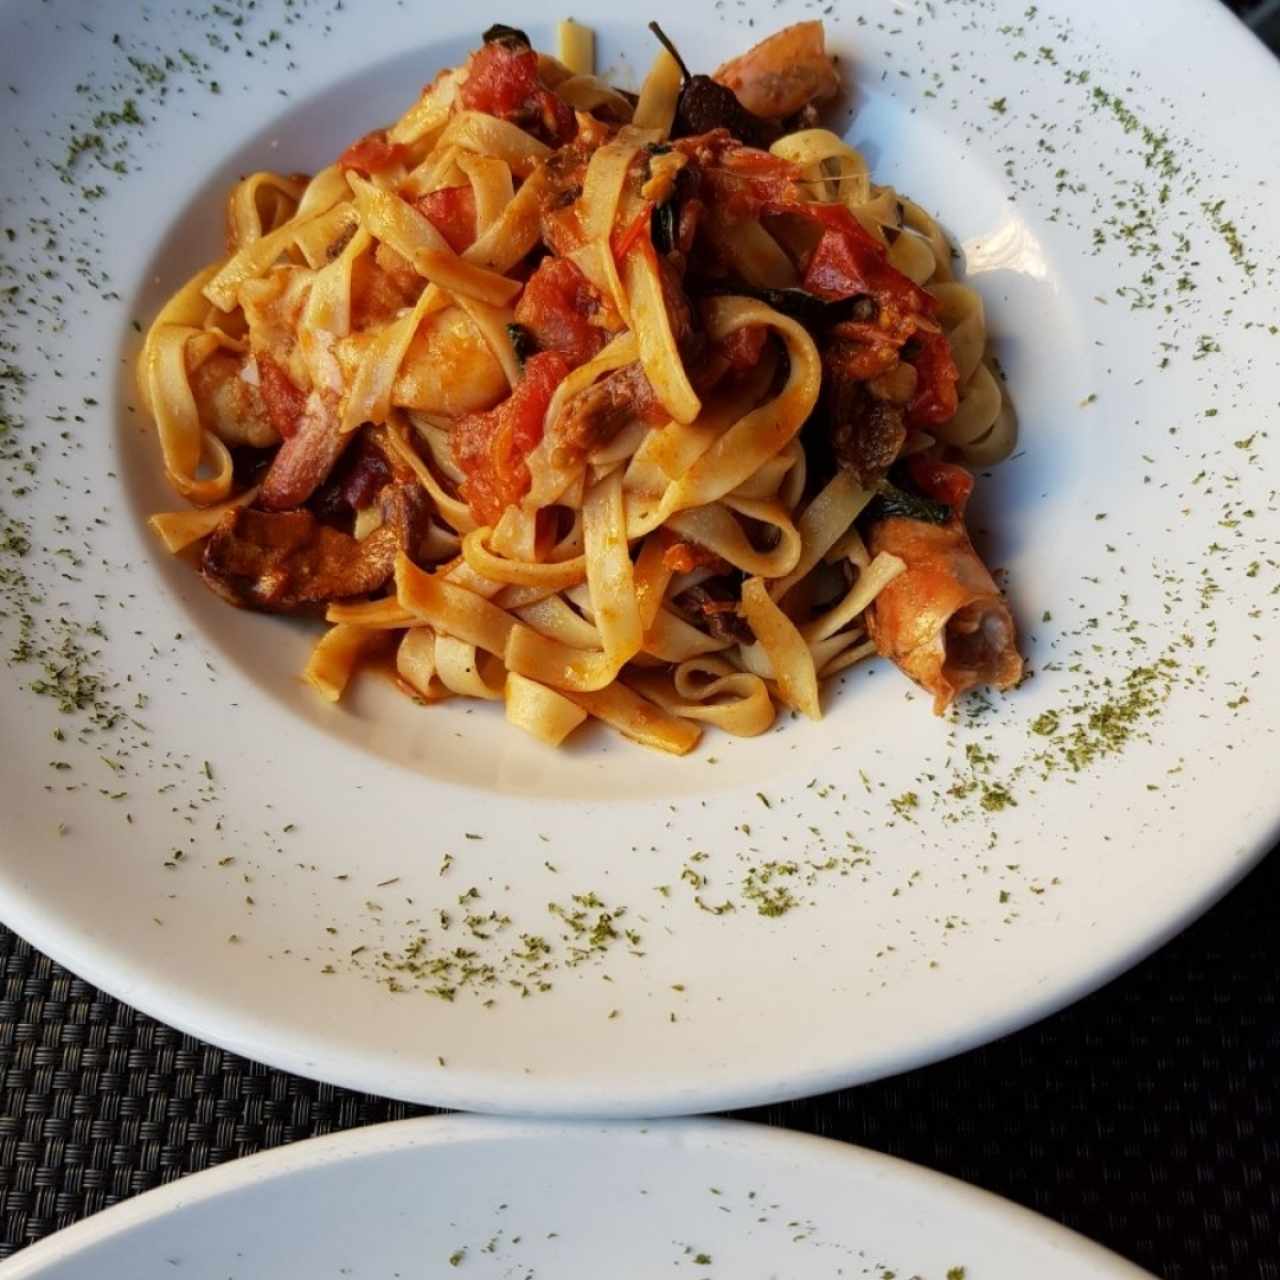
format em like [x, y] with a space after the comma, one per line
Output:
[522, 341]
[663, 226]
[892, 501]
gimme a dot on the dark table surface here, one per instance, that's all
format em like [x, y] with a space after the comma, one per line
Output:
[1144, 1117]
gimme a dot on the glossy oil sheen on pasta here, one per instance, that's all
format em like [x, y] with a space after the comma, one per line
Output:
[643, 408]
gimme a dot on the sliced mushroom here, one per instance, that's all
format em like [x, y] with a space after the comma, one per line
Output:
[596, 414]
[867, 434]
[866, 388]
[714, 605]
[284, 561]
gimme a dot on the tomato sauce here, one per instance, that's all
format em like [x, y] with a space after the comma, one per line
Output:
[372, 153]
[937, 396]
[941, 481]
[846, 261]
[503, 81]
[452, 211]
[556, 308]
[491, 447]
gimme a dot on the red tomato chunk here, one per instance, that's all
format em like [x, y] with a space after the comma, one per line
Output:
[492, 447]
[452, 211]
[503, 81]
[556, 308]
[372, 153]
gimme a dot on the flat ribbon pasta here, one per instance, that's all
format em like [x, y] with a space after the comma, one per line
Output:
[324, 191]
[825, 519]
[611, 584]
[452, 610]
[765, 430]
[656, 108]
[467, 670]
[552, 575]
[788, 654]
[711, 690]
[637, 718]
[547, 715]
[187, 447]
[179, 529]
[261, 203]
[335, 658]
[416, 664]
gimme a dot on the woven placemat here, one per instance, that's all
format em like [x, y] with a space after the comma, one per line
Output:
[1144, 1117]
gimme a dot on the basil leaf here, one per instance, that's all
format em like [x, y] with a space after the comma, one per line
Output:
[892, 501]
[522, 341]
[664, 226]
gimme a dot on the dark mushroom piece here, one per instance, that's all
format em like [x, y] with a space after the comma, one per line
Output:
[714, 605]
[867, 434]
[287, 561]
[863, 394]
[500, 33]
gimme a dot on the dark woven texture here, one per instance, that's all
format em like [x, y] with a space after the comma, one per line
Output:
[1263, 16]
[1145, 1117]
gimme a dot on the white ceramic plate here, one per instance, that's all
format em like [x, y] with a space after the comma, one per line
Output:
[1105, 175]
[482, 1199]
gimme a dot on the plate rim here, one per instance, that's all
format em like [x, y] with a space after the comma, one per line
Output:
[429, 1132]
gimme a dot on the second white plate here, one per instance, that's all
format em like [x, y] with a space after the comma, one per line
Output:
[478, 1199]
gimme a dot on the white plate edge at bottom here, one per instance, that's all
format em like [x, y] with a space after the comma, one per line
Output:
[430, 1131]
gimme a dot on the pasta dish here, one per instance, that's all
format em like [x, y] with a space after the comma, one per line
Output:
[649, 408]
